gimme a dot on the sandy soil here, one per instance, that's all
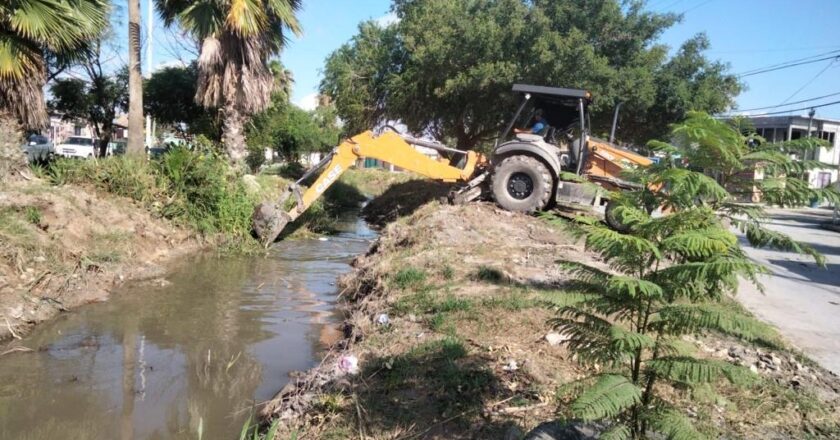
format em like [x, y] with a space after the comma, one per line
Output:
[62, 247]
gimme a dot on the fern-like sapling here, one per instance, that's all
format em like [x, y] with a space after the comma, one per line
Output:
[668, 278]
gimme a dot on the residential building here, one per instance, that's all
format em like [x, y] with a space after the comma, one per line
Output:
[61, 129]
[784, 128]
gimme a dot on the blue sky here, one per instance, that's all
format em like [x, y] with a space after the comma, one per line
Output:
[748, 34]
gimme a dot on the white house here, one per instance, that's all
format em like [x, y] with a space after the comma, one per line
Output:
[783, 128]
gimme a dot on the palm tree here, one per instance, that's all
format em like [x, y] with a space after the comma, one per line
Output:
[135, 81]
[31, 32]
[237, 39]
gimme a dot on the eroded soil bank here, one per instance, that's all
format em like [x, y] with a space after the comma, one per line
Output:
[65, 246]
[468, 292]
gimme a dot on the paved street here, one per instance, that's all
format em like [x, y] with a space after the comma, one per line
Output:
[801, 299]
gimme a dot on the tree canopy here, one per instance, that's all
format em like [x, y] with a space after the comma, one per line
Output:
[446, 67]
[169, 97]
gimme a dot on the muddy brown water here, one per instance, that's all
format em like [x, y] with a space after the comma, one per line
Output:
[168, 362]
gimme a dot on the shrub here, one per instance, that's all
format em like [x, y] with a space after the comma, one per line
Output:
[197, 187]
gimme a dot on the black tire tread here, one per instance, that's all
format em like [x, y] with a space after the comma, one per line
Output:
[534, 164]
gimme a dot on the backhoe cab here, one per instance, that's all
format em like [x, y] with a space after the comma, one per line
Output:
[534, 171]
[531, 172]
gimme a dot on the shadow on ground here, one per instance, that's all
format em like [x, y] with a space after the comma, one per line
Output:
[435, 389]
[810, 271]
[403, 199]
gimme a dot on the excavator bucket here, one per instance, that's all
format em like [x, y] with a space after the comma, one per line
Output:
[268, 222]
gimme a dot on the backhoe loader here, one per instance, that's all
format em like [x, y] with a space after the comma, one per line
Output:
[533, 171]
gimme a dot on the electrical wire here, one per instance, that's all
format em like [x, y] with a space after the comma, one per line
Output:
[792, 63]
[695, 7]
[789, 103]
[797, 109]
[809, 82]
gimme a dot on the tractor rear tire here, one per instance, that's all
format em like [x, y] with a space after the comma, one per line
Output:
[522, 183]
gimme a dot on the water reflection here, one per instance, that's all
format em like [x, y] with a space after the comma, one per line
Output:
[157, 362]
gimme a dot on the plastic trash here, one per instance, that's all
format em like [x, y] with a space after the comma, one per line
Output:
[383, 319]
[348, 364]
[511, 366]
[322, 239]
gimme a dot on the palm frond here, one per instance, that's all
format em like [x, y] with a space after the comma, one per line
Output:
[608, 397]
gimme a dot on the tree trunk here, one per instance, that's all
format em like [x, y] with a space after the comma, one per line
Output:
[233, 133]
[135, 82]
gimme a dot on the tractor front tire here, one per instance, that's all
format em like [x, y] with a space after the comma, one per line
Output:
[522, 184]
[612, 219]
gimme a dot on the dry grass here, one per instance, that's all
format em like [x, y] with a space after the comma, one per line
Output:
[469, 290]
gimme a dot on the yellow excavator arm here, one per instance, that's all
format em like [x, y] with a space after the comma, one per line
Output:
[391, 147]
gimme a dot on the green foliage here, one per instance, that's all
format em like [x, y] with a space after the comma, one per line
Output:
[169, 96]
[447, 67]
[32, 214]
[37, 36]
[608, 397]
[196, 187]
[292, 131]
[409, 277]
[672, 276]
[95, 100]
[717, 158]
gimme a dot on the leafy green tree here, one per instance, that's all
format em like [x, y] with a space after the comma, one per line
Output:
[169, 97]
[447, 66]
[290, 131]
[96, 100]
[356, 76]
[238, 37]
[33, 33]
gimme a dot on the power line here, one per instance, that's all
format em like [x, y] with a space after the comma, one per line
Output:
[789, 103]
[793, 63]
[797, 109]
[809, 82]
[695, 7]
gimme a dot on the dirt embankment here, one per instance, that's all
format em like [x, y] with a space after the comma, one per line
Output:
[448, 317]
[65, 246]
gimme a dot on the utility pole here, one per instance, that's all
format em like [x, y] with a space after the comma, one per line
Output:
[150, 29]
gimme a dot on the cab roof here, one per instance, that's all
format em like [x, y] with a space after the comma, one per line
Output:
[559, 92]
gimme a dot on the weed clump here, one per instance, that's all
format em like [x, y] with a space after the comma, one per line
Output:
[409, 277]
[194, 187]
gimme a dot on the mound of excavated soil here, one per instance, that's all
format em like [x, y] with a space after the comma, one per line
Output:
[449, 316]
[402, 199]
[61, 247]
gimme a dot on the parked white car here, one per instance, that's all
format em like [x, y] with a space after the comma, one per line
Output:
[77, 146]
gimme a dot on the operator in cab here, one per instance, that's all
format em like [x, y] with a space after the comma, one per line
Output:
[537, 128]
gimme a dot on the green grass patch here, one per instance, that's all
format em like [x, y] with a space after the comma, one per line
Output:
[409, 277]
[451, 303]
[32, 214]
[513, 301]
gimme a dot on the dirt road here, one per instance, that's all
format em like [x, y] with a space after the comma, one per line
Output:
[801, 299]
